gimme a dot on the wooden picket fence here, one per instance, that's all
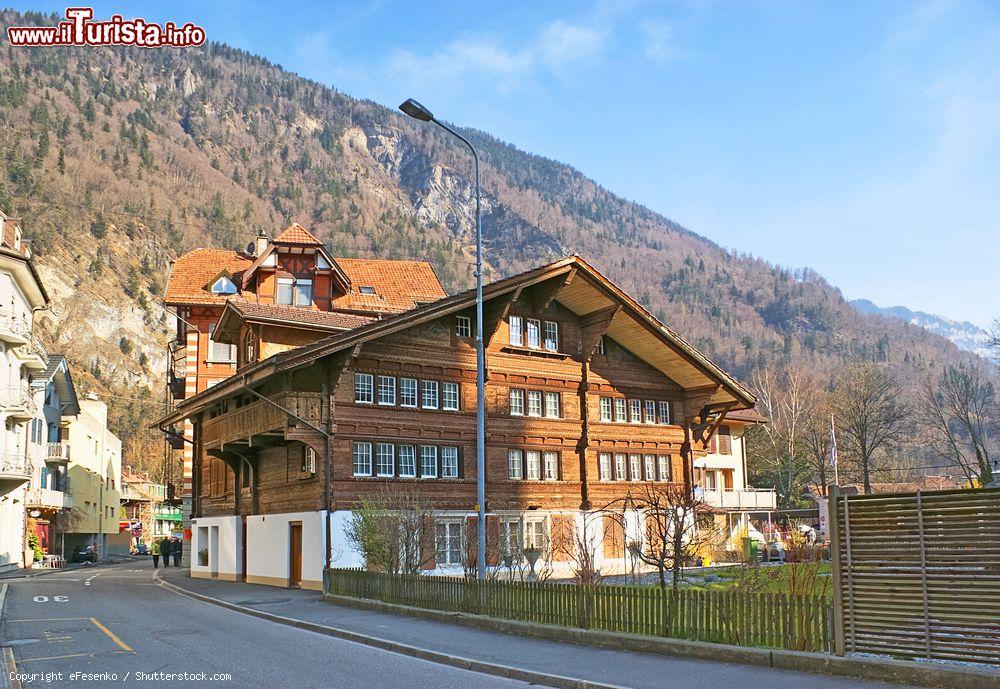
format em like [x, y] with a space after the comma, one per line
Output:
[800, 623]
[917, 575]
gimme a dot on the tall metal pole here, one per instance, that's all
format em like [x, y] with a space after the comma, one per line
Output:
[480, 371]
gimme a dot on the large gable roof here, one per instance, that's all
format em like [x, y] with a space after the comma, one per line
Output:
[191, 274]
[397, 285]
[584, 291]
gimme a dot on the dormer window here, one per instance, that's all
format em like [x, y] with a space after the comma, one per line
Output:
[294, 292]
[223, 286]
[366, 289]
[321, 262]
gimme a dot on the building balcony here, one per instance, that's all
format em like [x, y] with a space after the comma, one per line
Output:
[261, 417]
[57, 453]
[15, 471]
[32, 354]
[14, 330]
[747, 500]
[47, 499]
[18, 402]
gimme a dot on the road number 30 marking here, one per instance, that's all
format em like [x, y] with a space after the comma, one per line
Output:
[54, 599]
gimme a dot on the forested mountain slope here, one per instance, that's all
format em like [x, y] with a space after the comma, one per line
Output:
[119, 159]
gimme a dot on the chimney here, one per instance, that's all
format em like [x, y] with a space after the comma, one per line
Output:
[262, 242]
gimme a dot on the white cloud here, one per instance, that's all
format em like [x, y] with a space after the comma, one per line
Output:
[658, 37]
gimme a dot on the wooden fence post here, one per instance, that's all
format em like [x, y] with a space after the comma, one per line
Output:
[833, 527]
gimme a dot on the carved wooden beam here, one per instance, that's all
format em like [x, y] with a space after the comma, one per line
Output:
[494, 314]
[545, 292]
[593, 326]
[709, 419]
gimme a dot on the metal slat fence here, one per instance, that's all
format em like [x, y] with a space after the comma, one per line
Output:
[770, 620]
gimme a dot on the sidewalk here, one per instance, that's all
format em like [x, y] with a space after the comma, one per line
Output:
[601, 666]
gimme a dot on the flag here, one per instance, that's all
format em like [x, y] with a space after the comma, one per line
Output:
[833, 444]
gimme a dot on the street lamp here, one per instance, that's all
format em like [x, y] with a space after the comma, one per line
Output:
[419, 112]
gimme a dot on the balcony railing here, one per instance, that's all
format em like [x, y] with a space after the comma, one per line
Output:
[14, 464]
[750, 499]
[14, 329]
[47, 498]
[18, 401]
[57, 452]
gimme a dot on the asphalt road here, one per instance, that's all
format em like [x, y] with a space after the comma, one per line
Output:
[114, 619]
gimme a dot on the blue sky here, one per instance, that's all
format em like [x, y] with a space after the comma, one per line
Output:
[861, 139]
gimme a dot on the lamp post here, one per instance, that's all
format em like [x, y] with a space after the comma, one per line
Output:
[419, 112]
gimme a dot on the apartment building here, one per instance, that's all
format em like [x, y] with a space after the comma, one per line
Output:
[587, 396]
[289, 291]
[21, 356]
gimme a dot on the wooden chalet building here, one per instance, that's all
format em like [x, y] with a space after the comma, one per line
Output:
[586, 394]
[290, 291]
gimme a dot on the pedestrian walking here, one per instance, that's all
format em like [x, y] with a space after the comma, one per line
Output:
[175, 549]
[165, 551]
[154, 550]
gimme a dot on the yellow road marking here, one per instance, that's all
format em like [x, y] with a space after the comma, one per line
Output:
[111, 635]
[71, 655]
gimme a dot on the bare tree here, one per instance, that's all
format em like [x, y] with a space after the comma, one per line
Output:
[580, 547]
[673, 532]
[870, 416]
[960, 411]
[817, 441]
[388, 529]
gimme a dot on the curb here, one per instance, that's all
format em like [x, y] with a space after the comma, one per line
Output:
[816, 664]
[7, 659]
[479, 666]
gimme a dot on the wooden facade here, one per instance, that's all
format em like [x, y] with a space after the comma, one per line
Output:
[285, 434]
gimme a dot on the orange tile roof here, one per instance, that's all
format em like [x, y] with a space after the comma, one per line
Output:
[296, 234]
[191, 273]
[398, 285]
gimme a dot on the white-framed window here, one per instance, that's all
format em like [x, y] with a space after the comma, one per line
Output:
[536, 533]
[635, 411]
[534, 333]
[448, 543]
[309, 460]
[407, 461]
[429, 394]
[663, 462]
[303, 292]
[515, 465]
[223, 286]
[363, 388]
[428, 461]
[621, 410]
[606, 409]
[534, 403]
[534, 465]
[601, 348]
[516, 330]
[385, 459]
[407, 392]
[449, 396]
[219, 352]
[552, 336]
[516, 402]
[449, 462]
[664, 417]
[285, 291]
[649, 410]
[510, 544]
[635, 467]
[551, 466]
[387, 390]
[604, 466]
[649, 467]
[463, 326]
[621, 467]
[552, 405]
[362, 459]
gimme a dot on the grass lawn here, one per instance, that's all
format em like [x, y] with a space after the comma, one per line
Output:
[787, 578]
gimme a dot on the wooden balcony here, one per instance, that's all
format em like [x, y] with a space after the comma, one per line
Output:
[261, 417]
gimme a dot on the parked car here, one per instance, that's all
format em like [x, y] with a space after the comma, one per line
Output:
[85, 553]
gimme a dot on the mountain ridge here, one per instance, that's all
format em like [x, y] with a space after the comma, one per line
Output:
[966, 335]
[118, 160]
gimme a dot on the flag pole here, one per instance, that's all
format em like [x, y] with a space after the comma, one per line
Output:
[833, 452]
